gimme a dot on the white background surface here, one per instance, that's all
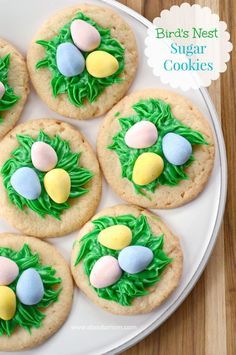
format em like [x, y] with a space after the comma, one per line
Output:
[90, 330]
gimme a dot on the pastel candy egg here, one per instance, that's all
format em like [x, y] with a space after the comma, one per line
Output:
[85, 36]
[29, 288]
[101, 64]
[2, 90]
[176, 149]
[135, 258]
[147, 168]
[105, 272]
[43, 156]
[142, 134]
[8, 271]
[57, 184]
[26, 183]
[70, 60]
[7, 303]
[115, 237]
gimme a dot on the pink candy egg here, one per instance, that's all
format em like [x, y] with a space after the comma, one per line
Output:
[2, 90]
[85, 36]
[105, 272]
[142, 134]
[8, 271]
[43, 156]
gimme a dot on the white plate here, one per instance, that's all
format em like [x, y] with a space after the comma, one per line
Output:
[90, 330]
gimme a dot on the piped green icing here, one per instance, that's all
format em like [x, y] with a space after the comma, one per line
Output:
[9, 98]
[84, 86]
[128, 287]
[159, 113]
[21, 157]
[29, 317]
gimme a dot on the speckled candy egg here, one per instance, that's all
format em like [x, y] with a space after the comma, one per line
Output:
[85, 36]
[8, 271]
[57, 184]
[70, 61]
[101, 64]
[105, 272]
[115, 237]
[142, 134]
[43, 156]
[29, 288]
[26, 183]
[147, 168]
[135, 258]
[177, 149]
[7, 303]
[2, 90]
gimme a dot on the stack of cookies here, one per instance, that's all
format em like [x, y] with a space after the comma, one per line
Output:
[154, 148]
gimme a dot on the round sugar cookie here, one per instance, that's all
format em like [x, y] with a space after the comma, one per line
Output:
[82, 96]
[169, 113]
[52, 315]
[14, 77]
[44, 217]
[147, 230]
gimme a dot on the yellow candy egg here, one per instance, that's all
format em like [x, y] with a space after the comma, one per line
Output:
[115, 237]
[101, 64]
[147, 168]
[57, 184]
[7, 303]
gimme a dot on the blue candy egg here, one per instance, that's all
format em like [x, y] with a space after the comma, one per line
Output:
[29, 288]
[135, 258]
[177, 149]
[26, 183]
[70, 61]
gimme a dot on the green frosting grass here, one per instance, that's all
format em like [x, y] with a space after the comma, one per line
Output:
[30, 316]
[128, 287]
[21, 157]
[9, 98]
[84, 86]
[159, 113]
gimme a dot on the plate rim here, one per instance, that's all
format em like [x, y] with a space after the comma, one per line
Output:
[220, 211]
